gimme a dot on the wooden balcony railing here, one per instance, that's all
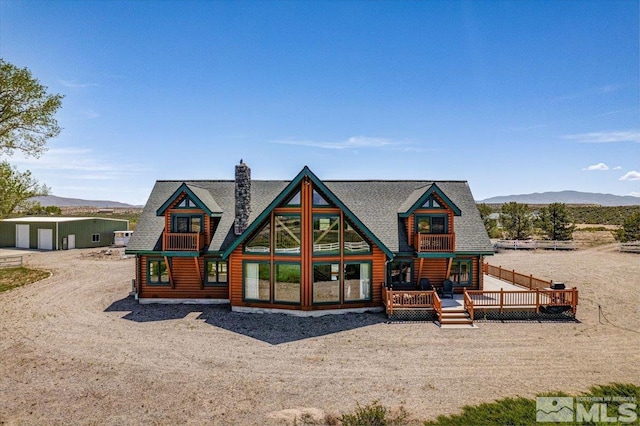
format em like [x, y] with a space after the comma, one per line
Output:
[435, 242]
[183, 241]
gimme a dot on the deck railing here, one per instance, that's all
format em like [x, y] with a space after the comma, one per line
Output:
[434, 242]
[523, 299]
[183, 241]
[526, 281]
[468, 304]
[412, 299]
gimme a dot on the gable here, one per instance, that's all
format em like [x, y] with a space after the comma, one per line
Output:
[427, 198]
[322, 196]
[192, 196]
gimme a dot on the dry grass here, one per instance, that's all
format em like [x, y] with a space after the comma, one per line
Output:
[70, 355]
[15, 277]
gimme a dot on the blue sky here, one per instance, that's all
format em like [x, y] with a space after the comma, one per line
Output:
[515, 97]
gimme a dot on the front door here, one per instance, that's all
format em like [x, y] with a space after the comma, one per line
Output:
[71, 242]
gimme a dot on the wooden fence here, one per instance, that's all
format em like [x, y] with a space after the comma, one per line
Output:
[535, 244]
[10, 261]
[526, 281]
[632, 247]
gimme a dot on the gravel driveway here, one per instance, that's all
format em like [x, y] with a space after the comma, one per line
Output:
[75, 348]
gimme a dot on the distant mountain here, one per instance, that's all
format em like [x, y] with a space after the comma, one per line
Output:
[52, 200]
[567, 197]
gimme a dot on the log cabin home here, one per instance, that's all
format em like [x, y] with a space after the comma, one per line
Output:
[304, 246]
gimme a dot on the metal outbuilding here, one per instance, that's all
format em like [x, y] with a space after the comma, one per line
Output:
[59, 233]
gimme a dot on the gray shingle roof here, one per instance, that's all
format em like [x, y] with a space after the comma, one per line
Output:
[375, 203]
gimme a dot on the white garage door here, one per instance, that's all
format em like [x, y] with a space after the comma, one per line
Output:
[22, 236]
[45, 239]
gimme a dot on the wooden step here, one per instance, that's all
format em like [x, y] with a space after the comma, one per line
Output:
[455, 317]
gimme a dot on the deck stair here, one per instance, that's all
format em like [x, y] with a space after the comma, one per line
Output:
[457, 317]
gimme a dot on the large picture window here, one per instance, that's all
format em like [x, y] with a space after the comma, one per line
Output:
[257, 281]
[157, 273]
[326, 283]
[216, 273]
[286, 288]
[461, 272]
[287, 234]
[354, 243]
[357, 282]
[326, 235]
[261, 241]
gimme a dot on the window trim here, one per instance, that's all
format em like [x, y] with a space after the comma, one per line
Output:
[174, 222]
[273, 235]
[267, 223]
[216, 283]
[431, 215]
[259, 262]
[158, 283]
[313, 240]
[287, 302]
[339, 281]
[359, 262]
[460, 261]
[345, 223]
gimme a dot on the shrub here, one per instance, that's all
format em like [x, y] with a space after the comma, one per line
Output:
[374, 414]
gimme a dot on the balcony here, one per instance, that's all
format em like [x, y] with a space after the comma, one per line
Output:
[176, 241]
[434, 243]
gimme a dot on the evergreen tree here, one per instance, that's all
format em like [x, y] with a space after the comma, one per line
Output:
[555, 222]
[630, 230]
[516, 220]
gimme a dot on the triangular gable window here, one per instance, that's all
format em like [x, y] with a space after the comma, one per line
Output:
[261, 241]
[432, 203]
[319, 200]
[293, 201]
[354, 242]
[186, 203]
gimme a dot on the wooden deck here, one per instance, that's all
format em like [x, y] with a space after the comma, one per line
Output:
[512, 292]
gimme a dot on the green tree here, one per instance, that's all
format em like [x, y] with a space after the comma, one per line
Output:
[516, 220]
[26, 112]
[26, 123]
[16, 188]
[490, 225]
[555, 222]
[630, 230]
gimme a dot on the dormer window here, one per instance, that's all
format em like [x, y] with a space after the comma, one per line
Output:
[432, 203]
[186, 203]
[431, 224]
[187, 223]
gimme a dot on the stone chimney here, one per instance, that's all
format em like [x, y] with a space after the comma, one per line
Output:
[243, 198]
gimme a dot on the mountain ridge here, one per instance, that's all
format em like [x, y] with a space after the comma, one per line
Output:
[53, 200]
[566, 197]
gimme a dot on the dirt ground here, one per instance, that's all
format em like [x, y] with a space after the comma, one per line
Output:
[74, 349]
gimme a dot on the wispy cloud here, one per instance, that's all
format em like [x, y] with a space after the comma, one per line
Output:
[354, 142]
[617, 168]
[619, 111]
[89, 114]
[634, 194]
[608, 88]
[605, 137]
[599, 166]
[79, 163]
[632, 175]
[72, 84]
